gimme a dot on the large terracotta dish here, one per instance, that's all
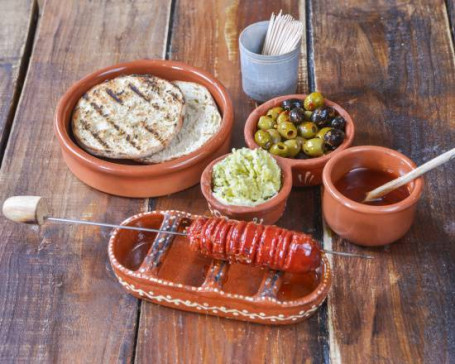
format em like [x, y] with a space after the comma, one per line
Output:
[305, 172]
[266, 213]
[143, 180]
[162, 269]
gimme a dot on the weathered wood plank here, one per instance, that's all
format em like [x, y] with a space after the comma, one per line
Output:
[205, 35]
[391, 64]
[60, 301]
[18, 23]
[451, 17]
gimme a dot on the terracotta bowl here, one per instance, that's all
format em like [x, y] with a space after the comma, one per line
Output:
[267, 213]
[134, 180]
[365, 224]
[305, 172]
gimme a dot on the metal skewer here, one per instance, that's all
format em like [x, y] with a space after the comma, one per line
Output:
[33, 210]
[102, 224]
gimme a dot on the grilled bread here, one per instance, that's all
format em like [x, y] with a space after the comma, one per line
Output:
[201, 121]
[128, 117]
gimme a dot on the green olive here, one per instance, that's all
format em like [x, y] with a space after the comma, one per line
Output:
[321, 133]
[276, 137]
[294, 147]
[307, 130]
[265, 122]
[314, 147]
[313, 101]
[283, 117]
[287, 130]
[308, 115]
[274, 112]
[263, 139]
[280, 149]
[301, 141]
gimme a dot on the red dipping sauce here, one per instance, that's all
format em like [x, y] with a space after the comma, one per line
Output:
[358, 182]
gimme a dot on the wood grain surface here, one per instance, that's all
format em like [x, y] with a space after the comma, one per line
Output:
[194, 338]
[391, 65]
[59, 299]
[17, 29]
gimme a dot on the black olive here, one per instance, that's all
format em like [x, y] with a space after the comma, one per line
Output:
[333, 138]
[297, 103]
[288, 104]
[301, 155]
[338, 123]
[320, 117]
[331, 112]
[297, 115]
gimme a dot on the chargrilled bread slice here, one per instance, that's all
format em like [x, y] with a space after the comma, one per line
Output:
[128, 117]
[202, 120]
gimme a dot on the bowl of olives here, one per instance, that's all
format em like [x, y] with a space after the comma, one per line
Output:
[303, 131]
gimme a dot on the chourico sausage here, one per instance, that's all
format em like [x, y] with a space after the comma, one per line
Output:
[255, 244]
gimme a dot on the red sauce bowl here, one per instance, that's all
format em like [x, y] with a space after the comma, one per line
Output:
[365, 224]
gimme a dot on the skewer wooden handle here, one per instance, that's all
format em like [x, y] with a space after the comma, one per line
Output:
[26, 209]
[408, 177]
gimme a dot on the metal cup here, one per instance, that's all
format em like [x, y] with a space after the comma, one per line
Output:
[265, 77]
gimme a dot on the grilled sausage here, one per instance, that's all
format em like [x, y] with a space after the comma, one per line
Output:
[255, 244]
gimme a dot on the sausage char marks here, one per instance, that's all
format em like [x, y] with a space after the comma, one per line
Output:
[255, 244]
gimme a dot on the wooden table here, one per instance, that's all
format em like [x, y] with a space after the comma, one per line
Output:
[391, 64]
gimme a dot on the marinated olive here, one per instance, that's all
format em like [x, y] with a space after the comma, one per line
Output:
[276, 137]
[313, 101]
[297, 103]
[274, 112]
[265, 122]
[300, 140]
[288, 104]
[321, 133]
[287, 130]
[307, 130]
[314, 147]
[296, 115]
[333, 138]
[331, 112]
[321, 116]
[294, 147]
[339, 123]
[308, 115]
[280, 149]
[263, 139]
[283, 117]
[302, 155]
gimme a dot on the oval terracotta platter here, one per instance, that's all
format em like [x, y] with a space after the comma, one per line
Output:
[161, 268]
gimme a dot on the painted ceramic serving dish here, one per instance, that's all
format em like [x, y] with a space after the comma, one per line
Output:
[134, 180]
[267, 213]
[161, 268]
[305, 172]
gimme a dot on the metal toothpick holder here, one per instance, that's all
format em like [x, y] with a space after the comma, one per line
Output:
[265, 77]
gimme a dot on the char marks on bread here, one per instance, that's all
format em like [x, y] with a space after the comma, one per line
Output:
[128, 117]
[202, 120]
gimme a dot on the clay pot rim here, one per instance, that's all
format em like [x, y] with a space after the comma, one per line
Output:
[282, 195]
[320, 292]
[61, 125]
[310, 163]
[412, 199]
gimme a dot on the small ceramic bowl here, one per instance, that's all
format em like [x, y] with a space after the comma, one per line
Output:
[305, 172]
[266, 213]
[365, 224]
[134, 180]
